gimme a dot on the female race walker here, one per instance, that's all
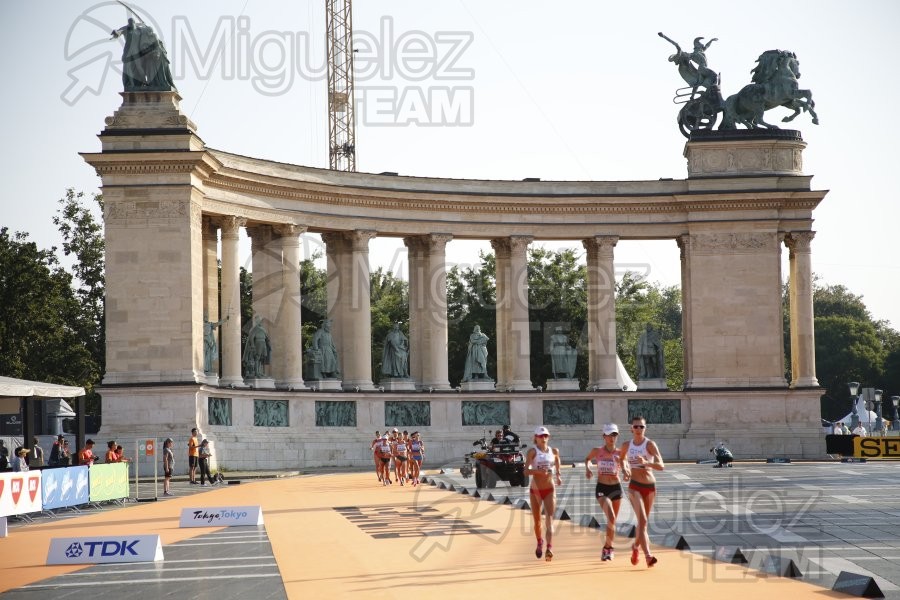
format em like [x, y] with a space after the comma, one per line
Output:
[374, 449]
[401, 456]
[417, 454]
[384, 452]
[643, 457]
[608, 490]
[542, 463]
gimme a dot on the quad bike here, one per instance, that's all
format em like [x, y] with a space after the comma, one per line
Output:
[496, 462]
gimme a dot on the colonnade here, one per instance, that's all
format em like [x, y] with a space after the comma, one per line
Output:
[276, 299]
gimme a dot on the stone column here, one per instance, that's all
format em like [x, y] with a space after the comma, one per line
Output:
[684, 245]
[288, 367]
[418, 283]
[803, 343]
[231, 303]
[428, 310]
[601, 297]
[356, 331]
[513, 325]
[210, 286]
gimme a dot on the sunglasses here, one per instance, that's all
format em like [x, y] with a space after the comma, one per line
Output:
[638, 426]
[544, 435]
[612, 434]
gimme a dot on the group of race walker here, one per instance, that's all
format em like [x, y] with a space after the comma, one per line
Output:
[633, 463]
[404, 451]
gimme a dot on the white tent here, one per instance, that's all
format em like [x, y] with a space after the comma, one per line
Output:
[625, 382]
[866, 417]
[18, 388]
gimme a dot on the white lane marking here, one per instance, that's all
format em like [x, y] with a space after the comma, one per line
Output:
[693, 483]
[786, 537]
[850, 499]
[753, 471]
[155, 569]
[680, 476]
[153, 580]
[196, 560]
[777, 478]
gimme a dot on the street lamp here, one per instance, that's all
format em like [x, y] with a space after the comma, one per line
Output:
[879, 423]
[854, 415]
[895, 400]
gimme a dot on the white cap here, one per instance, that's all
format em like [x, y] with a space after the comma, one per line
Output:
[610, 428]
[395, 430]
[541, 431]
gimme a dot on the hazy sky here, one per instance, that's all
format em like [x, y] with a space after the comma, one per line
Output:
[561, 90]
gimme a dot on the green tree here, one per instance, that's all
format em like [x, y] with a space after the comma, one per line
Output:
[639, 302]
[41, 335]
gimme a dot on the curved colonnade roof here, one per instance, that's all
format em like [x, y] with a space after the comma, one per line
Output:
[325, 200]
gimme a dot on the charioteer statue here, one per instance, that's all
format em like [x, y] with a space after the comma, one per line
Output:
[773, 83]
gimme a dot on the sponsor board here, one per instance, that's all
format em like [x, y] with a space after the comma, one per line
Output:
[876, 447]
[106, 549]
[20, 493]
[221, 516]
[109, 482]
[67, 486]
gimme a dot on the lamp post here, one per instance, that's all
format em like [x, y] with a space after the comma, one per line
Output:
[895, 400]
[854, 415]
[879, 423]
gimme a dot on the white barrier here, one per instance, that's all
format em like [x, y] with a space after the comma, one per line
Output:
[221, 516]
[20, 492]
[106, 549]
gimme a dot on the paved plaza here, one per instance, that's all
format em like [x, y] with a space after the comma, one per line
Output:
[345, 535]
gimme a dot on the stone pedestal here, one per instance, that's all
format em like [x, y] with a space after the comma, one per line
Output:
[477, 385]
[562, 385]
[652, 384]
[745, 152]
[397, 384]
[325, 385]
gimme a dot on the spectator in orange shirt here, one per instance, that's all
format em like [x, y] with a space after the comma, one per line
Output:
[111, 456]
[86, 455]
[194, 455]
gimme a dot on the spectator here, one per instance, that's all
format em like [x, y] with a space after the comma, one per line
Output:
[86, 455]
[111, 456]
[859, 430]
[120, 454]
[204, 454]
[168, 466]
[510, 435]
[36, 458]
[4, 456]
[20, 460]
[193, 455]
[845, 429]
[56, 451]
[838, 428]
[65, 459]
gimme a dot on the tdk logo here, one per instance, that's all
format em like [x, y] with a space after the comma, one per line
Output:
[108, 548]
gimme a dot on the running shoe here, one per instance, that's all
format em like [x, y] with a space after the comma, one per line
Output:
[635, 556]
[539, 551]
[651, 560]
[606, 554]
[549, 554]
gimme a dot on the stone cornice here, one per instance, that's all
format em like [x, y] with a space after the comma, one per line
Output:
[198, 162]
[404, 201]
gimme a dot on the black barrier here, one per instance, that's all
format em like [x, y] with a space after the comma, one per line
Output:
[780, 565]
[730, 554]
[839, 444]
[857, 585]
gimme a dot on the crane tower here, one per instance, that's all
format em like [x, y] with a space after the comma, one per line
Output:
[341, 120]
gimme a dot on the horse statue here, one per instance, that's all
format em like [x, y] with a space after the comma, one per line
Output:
[774, 84]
